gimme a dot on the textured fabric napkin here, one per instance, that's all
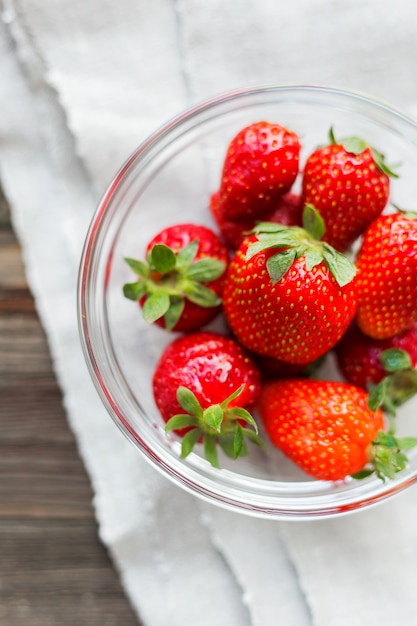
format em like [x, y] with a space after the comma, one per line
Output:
[83, 82]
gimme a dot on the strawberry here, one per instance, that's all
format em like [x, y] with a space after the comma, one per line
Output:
[271, 368]
[387, 276]
[348, 183]
[261, 164]
[274, 368]
[398, 385]
[287, 210]
[287, 294]
[232, 231]
[387, 367]
[329, 431]
[204, 386]
[359, 357]
[180, 284]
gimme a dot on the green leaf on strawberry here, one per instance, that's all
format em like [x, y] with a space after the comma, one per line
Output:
[213, 417]
[380, 163]
[174, 313]
[377, 395]
[186, 255]
[183, 274]
[342, 269]
[189, 402]
[242, 414]
[394, 360]
[182, 420]
[398, 386]
[387, 455]
[294, 241]
[210, 450]
[134, 291]
[199, 294]
[313, 222]
[162, 259]
[155, 306]
[411, 215]
[139, 267]
[357, 145]
[205, 270]
[279, 264]
[188, 441]
[218, 423]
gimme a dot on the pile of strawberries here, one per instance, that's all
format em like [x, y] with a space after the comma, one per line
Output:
[281, 270]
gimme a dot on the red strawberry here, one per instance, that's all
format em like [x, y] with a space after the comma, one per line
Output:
[360, 357]
[204, 385]
[329, 431]
[180, 285]
[274, 368]
[348, 183]
[387, 276]
[386, 366]
[287, 210]
[288, 295]
[261, 164]
[232, 232]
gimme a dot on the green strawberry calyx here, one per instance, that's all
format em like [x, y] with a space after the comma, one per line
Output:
[356, 145]
[398, 386]
[294, 241]
[387, 455]
[167, 278]
[217, 424]
[409, 215]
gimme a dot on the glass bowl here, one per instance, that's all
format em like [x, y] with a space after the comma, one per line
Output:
[169, 179]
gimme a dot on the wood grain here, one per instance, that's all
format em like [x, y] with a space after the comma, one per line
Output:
[53, 569]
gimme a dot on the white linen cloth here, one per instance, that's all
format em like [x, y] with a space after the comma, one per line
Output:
[82, 84]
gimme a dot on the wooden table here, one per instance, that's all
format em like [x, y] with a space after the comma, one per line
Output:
[53, 569]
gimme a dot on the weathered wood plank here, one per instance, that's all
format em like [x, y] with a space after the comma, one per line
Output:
[32, 413]
[43, 481]
[23, 348]
[55, 573]
[16, 301]
[11, 266]
[53, 569]
[4, 210]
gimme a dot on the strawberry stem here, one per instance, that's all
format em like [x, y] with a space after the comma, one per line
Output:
[292, 242]
[398, 386]
[168, 278]
[313, 222]
[387, 454]
[356, 145]
[217, 424]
